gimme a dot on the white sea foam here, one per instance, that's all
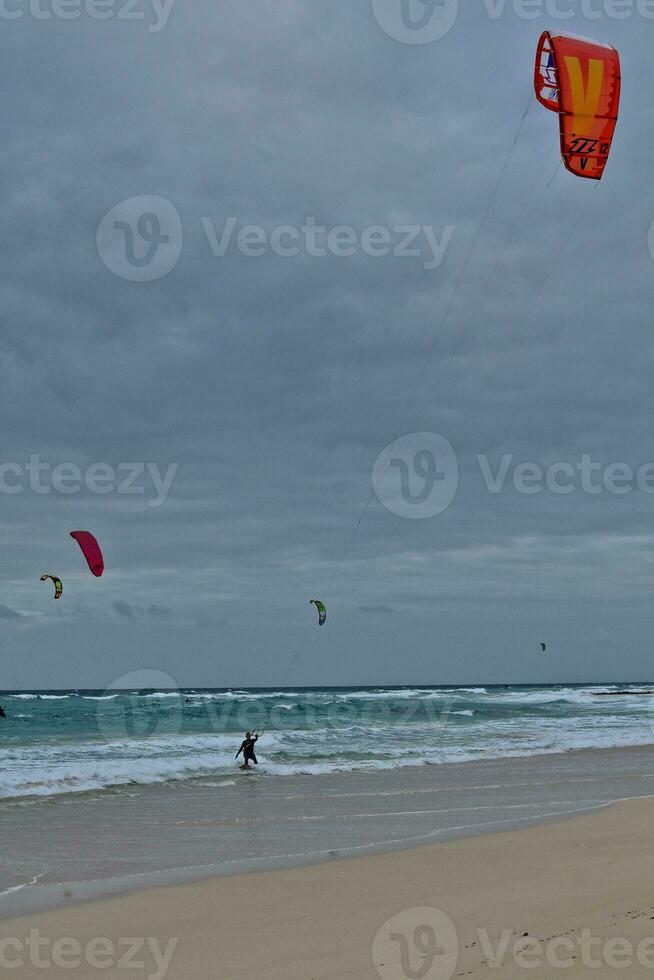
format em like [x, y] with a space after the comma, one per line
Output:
[512, 722]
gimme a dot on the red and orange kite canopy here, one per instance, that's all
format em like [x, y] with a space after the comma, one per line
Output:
[90, 550]
[580, 80]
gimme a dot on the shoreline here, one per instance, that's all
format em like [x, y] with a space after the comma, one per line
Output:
[545, 885]
[260, 772]
[85, 742]
[293, 822]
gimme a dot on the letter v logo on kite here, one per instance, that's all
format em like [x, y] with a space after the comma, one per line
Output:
[585, 97]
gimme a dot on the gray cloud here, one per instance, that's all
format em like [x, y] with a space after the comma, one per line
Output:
[7, 613]
[274, 383]
[155, 610]
[124, 609]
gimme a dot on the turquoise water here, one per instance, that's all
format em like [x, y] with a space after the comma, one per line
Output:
[71, 741]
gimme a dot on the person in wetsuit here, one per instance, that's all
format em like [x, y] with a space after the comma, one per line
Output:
[2, 712]
[247, 748]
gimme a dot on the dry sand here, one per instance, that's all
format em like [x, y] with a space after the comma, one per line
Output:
[593, 872]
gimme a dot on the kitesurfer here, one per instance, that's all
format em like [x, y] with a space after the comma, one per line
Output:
[247, 748]
[2, 712]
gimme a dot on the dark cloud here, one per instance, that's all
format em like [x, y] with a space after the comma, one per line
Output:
[7, 613]
[155, 610]
[124, 609]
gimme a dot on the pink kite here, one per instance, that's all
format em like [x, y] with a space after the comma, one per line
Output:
[90, 550]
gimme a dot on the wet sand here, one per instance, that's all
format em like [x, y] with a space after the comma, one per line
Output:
[89, 845]
[572, 899]
[79, 846]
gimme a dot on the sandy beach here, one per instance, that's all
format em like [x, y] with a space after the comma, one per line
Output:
[572, 899]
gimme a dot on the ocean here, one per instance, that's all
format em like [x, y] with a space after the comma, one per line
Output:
[68, 742]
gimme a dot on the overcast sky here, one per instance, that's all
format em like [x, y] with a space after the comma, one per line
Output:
[266, 386]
